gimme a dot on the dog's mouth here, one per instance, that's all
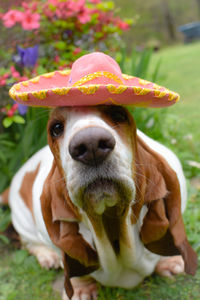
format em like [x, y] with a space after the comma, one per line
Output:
[100, 194]
[104, 194]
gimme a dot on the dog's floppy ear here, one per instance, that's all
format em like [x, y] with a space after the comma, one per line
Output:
[163, 230]
[61, 220]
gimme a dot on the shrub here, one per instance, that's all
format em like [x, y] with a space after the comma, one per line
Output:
[44, 36]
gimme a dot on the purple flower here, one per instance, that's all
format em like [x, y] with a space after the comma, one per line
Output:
[67, 34]
[22, 109]
[27, 57]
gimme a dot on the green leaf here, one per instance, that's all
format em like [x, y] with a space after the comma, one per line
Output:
[129, 21]
[133, 62]
[156, 70]
[98, 35]
[143, 64]
[60, 45]
[4, 239]
[2, 156]
[7, 122]
[41, 70]
[121, 58]
[6, 143]
[20, 256]
[18, 119]
[106, 6]
[5, 221]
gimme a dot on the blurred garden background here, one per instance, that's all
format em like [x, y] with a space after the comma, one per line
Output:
[147, 40]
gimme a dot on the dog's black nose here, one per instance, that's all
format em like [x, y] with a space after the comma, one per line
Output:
[91, 145]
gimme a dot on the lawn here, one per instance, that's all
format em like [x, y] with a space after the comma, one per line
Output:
[180, 71]
[21, 277]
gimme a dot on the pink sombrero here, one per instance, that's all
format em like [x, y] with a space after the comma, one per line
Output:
[94, 79]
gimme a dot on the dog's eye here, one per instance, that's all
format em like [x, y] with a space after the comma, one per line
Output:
[117, 114]
[56, 130]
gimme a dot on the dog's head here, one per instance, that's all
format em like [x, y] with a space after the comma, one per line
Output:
[95, 150]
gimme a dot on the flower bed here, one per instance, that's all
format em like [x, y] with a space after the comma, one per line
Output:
[50, 35]
[44, 36]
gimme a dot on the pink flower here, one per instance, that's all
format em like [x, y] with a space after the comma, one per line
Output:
[12, 110]
[54, 2]
[63, 11]
[84, 16]
[14, 107]
[12, 17]
[123, 25]
[57, 58]
[30, 21]
[77, 51]
[34, 6]
[10, 113]
[3, 79]
[47, 12]
[77, 6]
[14, 73]
[25, 5]
[23, 78]
[95, 1]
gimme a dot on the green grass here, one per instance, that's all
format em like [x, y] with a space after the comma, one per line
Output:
[20, 275]
[180, 71]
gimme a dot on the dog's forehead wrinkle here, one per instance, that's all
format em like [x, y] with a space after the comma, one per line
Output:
[77, 116]
[83, 118]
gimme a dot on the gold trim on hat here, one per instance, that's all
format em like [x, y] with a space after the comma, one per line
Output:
[113, 89]
[95, 75]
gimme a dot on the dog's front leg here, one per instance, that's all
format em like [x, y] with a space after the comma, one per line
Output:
[85, 288]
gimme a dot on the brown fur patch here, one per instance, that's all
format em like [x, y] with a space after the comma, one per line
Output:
[26, 190]
[5, 196]
[125, 129]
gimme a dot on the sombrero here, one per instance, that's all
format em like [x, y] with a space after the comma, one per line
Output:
[94, 79]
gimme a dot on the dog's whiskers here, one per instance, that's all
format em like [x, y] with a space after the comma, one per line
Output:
[144, 176]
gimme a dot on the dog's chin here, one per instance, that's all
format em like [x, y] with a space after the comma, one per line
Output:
[103, 195]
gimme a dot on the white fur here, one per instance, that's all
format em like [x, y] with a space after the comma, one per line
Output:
[132, 264]
[32, 232]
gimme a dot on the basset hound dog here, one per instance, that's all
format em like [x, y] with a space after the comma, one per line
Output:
[103, 200]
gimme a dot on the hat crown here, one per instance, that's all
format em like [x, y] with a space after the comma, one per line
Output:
[91, 64]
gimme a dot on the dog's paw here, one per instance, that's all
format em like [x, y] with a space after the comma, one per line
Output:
[170, 266]
[46, 257]
[84, 289]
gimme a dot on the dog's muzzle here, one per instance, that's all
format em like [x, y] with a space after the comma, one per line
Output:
[102, 186]
[91, 145]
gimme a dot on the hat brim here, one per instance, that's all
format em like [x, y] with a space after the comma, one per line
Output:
[52, 89]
